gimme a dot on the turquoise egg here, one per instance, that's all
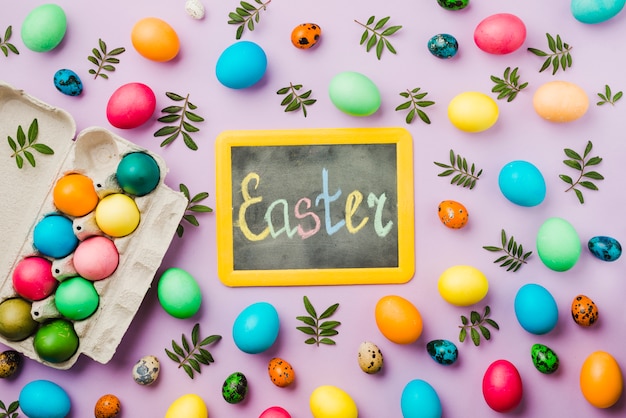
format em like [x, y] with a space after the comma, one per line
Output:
[443, 45]
[420, 400]
[256, 328]
[453, 4]
[535, 309]
[68, 82]
[76, 298]
[558, 244]
[605, 248]
[354, 94]
[522, 183]
[442, 351]
[138, 173]
[44, 399]
[544, 359]
[235, 388]
[44, 28]
[241, 65]
[179, 293]
[595, 11]
[54, 237]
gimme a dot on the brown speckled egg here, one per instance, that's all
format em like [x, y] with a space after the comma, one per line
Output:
[281, 373]
[108, 406]
[370, 358]
[584, 311]
[453, 214]
[10, 362]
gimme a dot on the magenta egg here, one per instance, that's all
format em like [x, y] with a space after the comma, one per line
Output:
[499, 34]
[96, 258]
[131, 106]
[502, 386]
[275, 412]
[33, 279]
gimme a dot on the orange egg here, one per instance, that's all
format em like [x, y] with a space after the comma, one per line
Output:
[108, 406]
[281, 373]
[306, 35]
[155, 39]
[74, 195]
[398, 319]
[601, 381]
[453, 214]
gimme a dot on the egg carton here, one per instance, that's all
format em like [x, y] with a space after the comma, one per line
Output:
[27, 198]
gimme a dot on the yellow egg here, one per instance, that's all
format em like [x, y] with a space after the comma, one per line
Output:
[331, 402]
[117, 215]
[188, 406]
[463, 285]
[398, 319]
[473, 111]
[155, 39]
[601, 381]
[560, 101]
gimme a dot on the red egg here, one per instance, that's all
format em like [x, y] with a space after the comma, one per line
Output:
[502, 386]
[33, 279]
[499, 34]
[131, 106]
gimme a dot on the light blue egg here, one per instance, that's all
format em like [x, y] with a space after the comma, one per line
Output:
[68, 82]
[44, 399]
[443, 45]
[256, 328]
[420, 400]
[595, 11]
[54, 237]
[536, 309]
[522, 183]
[605, 248]
[241, 65]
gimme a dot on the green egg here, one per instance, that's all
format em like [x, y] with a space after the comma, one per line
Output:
[235, 388]
[558, 244]
[355, 94]
[138, 173]
[544, 359]
[44, 28]
[179, 293]
[56, 341]
[76, 298]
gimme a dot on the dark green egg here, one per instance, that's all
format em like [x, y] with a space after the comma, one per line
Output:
[453, 4]
[235, 388]
[544, 359]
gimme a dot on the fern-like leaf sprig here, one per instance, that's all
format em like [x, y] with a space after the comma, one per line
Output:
[508, 86]
[376, 34]
[581, 163]
[514, 257]
[104, 59]
[294, 101]
[246, 16]
[191, 357]
[414, 103]
[193, 206]
[559, 57]
[183, 115]
[608, 97]
[10, 411]
[23, 144]
[7, 46]
[465, 175]
[316, 326]
[477, 326]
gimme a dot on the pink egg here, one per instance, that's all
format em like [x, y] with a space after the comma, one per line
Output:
[33, 279]
[96, 258]
[275, 412]
[131, 106]
[502, 386]
[500, 34]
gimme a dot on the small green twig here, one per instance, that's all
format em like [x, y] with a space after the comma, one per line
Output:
[378, 34]
[508, 86]
[293, 101]
[608, 97]
[477, 323]
[246, 16]
[183, 116]
[104, 59]
[192, 357]
[466, 175]
[10, 411]
[515, 256]
[415, 102]
[6, 46]
[560, 58]
[192, 206]
[22, 144]
[578, 162]
[320, 330]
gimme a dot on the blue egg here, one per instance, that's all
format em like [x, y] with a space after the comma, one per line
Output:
[443, 45]
[536, 309]
[591, 12]
[241, 65]
[442, 351]
[44, 399]
[256, 328]
[54, 237]
[68, 82]
[605, 248]
[522, 183]
[420, 400]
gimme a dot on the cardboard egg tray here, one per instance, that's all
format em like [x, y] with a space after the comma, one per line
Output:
[27, 198]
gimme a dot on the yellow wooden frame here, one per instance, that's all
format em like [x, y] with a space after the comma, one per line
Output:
[327, 276]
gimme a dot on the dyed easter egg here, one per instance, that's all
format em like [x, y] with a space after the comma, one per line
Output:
[499, 34]
[44, 28]
[443, 351]
[275, 412]
[256, 328]
[398, 319]
[605, 248]
[306, 35]
[584, 311]
[188, 406]
[155, 39]
[281, 373]
[146, 371]
[370, 357]
[54, 237]
[130, 106]
[33, 279]
[535, 309]
[107, 406]
[241, 65]
[56, 341]
[68, 82]
[235, 388]
[453, 4]
[595, 11]
[420, 400]
[452, 214]
[44, 399]
[443, 45]
[473, 111]
[332, 402]
[462, 285]
[560, 101]
[117, 215]
[16, 321]
[544, 358]
[179, 293]
[558, 244]
[74, 194]
[138, 173]
[96, 258]
[354, 94]
[502, 386]
[601, 380]
[76, 298]
[522, 183]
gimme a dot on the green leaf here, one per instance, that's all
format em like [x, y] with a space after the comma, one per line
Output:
[307, 320]
[309, 307]
[104, 59]
[307, 330]
[462, 334]
[191, 357]
[475, 336]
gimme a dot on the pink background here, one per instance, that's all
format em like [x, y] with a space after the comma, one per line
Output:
[519, 134]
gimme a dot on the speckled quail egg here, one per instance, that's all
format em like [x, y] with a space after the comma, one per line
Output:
[146, 370]
[10, 362]
[370, 358]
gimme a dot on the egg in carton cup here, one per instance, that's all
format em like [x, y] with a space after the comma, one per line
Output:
[28, 204]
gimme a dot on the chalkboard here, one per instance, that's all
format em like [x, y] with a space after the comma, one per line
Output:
[313, 207]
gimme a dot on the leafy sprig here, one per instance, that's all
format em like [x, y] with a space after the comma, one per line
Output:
[515, 256]
[580, 163]
[27, 143]
[246, 16]
[465, 175]
[193, 206]
[477, 326]
[294, 101]
[377, 34]
[415, 102]
[608, 97]
[10, 411]
[560, 56]
[104, 59]
[508, 86]
[5, 45]
[184, 116]
[320, 330]
[192, 356]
